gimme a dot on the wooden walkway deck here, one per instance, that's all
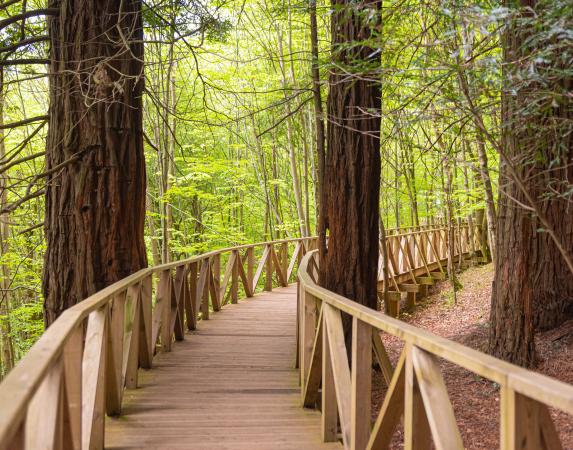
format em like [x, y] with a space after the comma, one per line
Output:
[231, 385]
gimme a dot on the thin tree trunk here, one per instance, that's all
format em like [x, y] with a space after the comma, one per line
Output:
[292, 154]
[317, 99]
[7, 346]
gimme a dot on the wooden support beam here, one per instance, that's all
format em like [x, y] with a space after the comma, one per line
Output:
[526, 424]
[146, 343]
[329, 417]
[269, 269]
[235, 277]
[132, 338]
[417, 434]
[438, 408]
[191, 304]
[391, 411]
[312, 382]
[340, 369]
[361, 384]
[72, 360]
[114, 365]
[382, 356]
[44, 422]
[261, 266]
[93, 386]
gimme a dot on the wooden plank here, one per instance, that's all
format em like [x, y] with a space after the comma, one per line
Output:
[114, 364]
[165, 290]
[235, 278]
[72, 360]
[391, 410]
[250, 269]
[437, 404]
[203, 294]
[526, 424]
[361, 384]
[340, 369]
[160, 300]
[417, 434]
[146, 343]
[311, 385]
[261, 266]
[216, 276]
[132, 337]
[228, 274]
[308, 327]
[278, 267]
[44, 419]
[294, 258]
[93, 387]
[329, 417]
[269, 269]
[214, 292]
[382, 356]
[247, 285]
[191, 304]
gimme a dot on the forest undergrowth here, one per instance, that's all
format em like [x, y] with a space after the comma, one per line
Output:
[465, 319]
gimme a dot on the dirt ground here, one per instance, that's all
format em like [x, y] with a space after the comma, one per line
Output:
[465, 320]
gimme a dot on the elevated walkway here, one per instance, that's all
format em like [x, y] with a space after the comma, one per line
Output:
[231, 385]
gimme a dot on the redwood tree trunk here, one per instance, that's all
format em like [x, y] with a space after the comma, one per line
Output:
[350, 195]
[95, 202]
[533, 287]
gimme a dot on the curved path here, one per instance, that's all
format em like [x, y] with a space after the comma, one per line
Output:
[232, 386]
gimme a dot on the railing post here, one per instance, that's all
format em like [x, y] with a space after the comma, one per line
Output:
[329, 422]
[73, 350]
[164, 293]
[145, 324]
[361, 384]
[308, 328]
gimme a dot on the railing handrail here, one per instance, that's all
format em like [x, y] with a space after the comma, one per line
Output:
[511, 378]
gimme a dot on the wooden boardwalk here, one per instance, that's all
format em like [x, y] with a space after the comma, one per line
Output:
[230, 385]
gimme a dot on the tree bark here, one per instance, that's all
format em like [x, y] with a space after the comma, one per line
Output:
[350, 196]
[533, 288]
[95, 206]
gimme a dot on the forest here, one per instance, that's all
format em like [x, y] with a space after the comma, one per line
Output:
[139, 133]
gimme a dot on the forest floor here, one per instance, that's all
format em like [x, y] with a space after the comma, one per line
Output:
[476, 400]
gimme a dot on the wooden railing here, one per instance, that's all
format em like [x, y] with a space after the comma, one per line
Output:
[58, 395]
[416, 392]
[416, 258]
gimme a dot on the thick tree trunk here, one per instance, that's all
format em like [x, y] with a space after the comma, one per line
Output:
[95, 204]
[533, 287]
[349, 207]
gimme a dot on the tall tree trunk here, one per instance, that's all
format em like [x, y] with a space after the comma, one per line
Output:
[488, 191]
[95, 204]
[317, 98]
[533, 284]
[6, 344]
[350, 197]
